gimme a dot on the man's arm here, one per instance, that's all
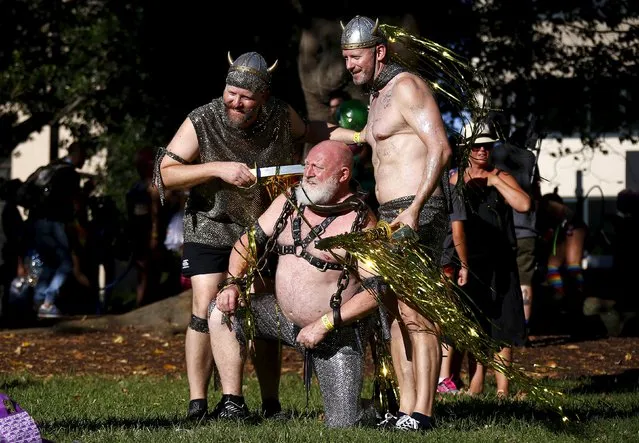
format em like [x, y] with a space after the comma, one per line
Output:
[316, 131]
[227, 298]
[185, 145]
[417, 105]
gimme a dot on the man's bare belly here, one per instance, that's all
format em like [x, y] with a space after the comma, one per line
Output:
[304, 292]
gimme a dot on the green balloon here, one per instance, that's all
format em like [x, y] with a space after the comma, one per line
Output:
[352, 114]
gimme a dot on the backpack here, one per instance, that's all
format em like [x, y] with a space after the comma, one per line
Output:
[39, 186]
[16, 425]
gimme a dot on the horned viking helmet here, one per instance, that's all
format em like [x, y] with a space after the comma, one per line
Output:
[250, 71]
[360, 32]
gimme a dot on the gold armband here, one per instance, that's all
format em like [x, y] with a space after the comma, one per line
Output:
[356, 137]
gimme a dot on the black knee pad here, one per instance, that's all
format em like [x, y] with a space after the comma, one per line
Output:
[199, 324]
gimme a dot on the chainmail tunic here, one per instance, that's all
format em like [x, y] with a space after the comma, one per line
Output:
[217, 212]
[338, 360]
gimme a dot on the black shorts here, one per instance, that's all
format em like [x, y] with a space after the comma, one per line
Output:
[198, 258]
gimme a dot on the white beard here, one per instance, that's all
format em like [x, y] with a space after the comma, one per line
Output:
[318, 194]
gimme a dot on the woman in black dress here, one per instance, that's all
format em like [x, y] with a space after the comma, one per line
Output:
[493, 281]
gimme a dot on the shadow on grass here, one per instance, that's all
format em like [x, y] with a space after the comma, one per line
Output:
[78, 425]
[21, 382]
[473, 413]
[626, 382]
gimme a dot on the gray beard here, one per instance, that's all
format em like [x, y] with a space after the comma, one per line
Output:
[317, 195]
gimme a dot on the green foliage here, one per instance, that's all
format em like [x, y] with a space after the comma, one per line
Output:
[150, 409]
[108, 70]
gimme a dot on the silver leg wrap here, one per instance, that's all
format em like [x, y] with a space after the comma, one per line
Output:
[199, 324]
[338, 361]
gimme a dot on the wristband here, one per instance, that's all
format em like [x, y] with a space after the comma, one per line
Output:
[327, 323]
[356, 137]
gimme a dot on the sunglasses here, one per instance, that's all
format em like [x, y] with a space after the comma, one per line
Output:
[487, 147]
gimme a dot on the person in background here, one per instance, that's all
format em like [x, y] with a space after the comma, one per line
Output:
[490, 195]
[51, 226]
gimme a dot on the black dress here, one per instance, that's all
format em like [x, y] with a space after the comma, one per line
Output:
[493, 281]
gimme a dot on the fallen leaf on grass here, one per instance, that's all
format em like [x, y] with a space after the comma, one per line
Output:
[170, 367]
[158, 351]
[628, 356]
[118, 339]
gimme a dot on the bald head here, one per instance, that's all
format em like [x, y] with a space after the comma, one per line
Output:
[335, 152]
[327, 172]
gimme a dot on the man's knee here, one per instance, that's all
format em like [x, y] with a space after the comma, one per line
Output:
[415, 322]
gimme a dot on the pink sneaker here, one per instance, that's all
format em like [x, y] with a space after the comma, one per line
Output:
[447, 386]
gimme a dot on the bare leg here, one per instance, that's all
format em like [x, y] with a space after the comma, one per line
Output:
[199, 358]
[527, 296]
[447, 357]
[574, 250]
[228, 354]
[504, 357]
[477, 374]
[426, 358]
[403, 366]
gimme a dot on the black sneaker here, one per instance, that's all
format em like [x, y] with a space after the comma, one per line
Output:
[197, 410]
[408, 423]
[230, 410]
[389, 421]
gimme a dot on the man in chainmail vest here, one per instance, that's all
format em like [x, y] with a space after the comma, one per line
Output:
[307, 281]
[410, 156]
[210, 154]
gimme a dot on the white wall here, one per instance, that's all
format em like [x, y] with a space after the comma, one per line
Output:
[28, 156]
[607, 171]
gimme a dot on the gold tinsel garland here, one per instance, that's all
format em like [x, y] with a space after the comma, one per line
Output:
[418, 281]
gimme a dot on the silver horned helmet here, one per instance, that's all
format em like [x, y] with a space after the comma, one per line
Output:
[250, 71]
[360, 32]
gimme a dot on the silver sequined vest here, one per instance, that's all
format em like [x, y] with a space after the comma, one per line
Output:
[217, 212]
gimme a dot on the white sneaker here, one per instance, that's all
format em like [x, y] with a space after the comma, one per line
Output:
[407, 423]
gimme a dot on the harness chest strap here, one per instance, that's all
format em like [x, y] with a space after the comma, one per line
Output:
[298, 248]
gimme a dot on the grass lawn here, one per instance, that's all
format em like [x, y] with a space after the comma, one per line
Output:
[151, 409]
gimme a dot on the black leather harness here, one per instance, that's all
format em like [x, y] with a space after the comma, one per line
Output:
[298, 248]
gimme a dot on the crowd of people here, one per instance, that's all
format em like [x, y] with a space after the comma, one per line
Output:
[483, 219]
[53, 253]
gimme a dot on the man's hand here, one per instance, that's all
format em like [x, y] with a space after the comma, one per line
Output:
[408, 217]
[227, 300]
[238, 174]
[312, 334]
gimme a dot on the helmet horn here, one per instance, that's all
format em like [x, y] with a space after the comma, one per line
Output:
[228, 54]
[273, 66]
[341, 24]
[374, 30]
